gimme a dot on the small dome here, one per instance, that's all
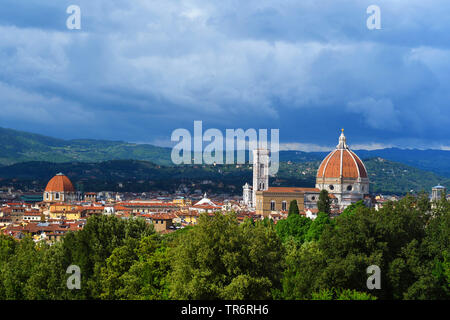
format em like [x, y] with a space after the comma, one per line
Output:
[342, 163]
[59, 183]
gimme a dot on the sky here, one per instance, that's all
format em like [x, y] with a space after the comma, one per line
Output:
[137, 70]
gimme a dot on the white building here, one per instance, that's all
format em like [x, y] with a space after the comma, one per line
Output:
[247, 195]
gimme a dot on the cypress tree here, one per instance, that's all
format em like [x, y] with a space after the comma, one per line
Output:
[293, 207]
[324, 203]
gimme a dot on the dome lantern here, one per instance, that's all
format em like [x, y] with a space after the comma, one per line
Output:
[342, 141]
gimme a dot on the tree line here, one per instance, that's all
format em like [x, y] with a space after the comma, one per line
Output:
[220, 258]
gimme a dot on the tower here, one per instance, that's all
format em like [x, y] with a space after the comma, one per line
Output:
[247, 195]
[437, 192]
[260, 172]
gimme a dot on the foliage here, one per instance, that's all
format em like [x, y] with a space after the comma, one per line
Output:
[91, 247]
[296, 258]
[345, 294]
[324, 203]
[147, 278]
[18, 146]
[318, 226]
[17, 269]
[353, 208]
[293, 207]
[302, 274]
[220, 259]
[294, 227]
[386, 177]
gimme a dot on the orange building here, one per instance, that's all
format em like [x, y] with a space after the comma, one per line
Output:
[59, 189]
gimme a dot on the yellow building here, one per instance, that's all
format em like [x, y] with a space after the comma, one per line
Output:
[65, 215]
[182, 202]
[64, 211]
[278, 199]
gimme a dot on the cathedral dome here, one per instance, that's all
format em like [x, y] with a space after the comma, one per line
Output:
[342, 163]
[59, 183]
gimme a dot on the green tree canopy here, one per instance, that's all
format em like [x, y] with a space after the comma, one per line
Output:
[91, 247]
[317, 226]
[220, 259]
[294, 227]
[293, 208]
[324, 203]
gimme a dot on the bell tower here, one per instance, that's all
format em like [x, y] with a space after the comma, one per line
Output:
[260, 172]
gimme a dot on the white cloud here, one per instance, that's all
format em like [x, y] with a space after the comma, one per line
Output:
[371, 146]
[307, 147]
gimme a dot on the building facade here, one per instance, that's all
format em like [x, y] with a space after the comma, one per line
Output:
[341, 173]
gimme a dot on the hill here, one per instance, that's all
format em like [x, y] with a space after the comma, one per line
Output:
[386, 176]
[437, 161]
[18, 146]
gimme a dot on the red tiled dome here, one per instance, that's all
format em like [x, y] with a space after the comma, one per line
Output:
[59, 183]
[342, 162]
[352, 166]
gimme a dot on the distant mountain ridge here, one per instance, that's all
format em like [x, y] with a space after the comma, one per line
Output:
[18, 146]
[386, 177]
[437, 161]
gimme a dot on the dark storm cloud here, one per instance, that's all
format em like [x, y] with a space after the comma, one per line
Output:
[140, 69]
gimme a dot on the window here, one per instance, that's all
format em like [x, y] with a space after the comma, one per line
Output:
[283, 206]
[331, 187]
[57, 195]
[46, 195]
[272, 205]
[313, 198]
[349, 188]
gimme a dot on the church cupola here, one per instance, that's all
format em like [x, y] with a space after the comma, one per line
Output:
[342, 141]
[343, 174]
